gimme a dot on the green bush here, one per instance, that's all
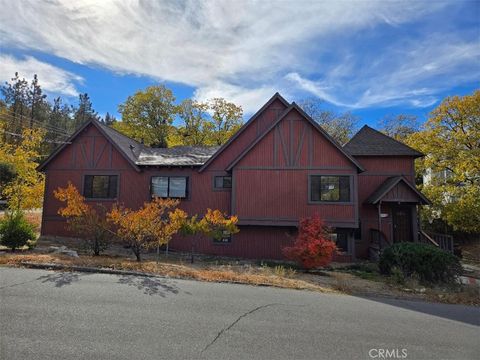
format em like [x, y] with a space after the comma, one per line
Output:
[430, 264]
[16, 231]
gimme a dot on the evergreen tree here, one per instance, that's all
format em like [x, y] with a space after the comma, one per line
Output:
[109, 119]
[15, 94]
[84, 112]
[37, 101]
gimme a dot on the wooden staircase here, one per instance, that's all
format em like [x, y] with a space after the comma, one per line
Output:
[378, 242]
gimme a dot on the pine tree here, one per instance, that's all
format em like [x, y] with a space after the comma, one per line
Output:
[15, 94]
[84, 112]
[109, 119]
[36, 99]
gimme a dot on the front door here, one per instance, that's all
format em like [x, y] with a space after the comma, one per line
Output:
[402, 223]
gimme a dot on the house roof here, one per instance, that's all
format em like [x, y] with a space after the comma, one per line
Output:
[388, 185]
[176, 156]
[276, 96]
[138, 154]
[119, 141]
[294, 106]
[371, 142]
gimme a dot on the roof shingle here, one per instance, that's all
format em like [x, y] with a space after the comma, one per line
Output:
[370, 142]
[141, 154]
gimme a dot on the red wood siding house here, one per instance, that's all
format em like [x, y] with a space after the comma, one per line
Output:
[280, 166]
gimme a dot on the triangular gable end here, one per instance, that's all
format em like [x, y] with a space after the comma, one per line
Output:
[397, 189]
[275, 97]
[103, 131]
[312, 122]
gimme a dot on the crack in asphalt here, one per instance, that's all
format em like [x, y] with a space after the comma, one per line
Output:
[225, 329]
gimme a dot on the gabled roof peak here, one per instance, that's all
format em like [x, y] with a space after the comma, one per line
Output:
[275, 96]
[294, 106]
[371, 142]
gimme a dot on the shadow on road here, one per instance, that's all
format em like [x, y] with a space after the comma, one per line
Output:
[466, 314]
[150, 285]
[61, 279]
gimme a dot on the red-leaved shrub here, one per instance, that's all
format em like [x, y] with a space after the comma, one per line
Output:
[312, 247]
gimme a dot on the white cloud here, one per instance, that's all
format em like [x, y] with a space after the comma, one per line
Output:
[249, 98]
[411, 74]
[214, 46]
[53, 79]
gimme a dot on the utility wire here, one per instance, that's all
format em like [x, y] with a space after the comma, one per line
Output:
[44, 140]
[28, 119]
[38, 123]
[41, 126]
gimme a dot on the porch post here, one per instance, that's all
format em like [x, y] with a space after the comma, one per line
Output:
[415, 223]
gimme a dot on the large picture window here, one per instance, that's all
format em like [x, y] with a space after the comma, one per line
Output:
[327, 188]
[100, 186]
[170, 186]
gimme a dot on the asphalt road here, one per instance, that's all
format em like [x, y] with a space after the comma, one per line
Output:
[55, 315]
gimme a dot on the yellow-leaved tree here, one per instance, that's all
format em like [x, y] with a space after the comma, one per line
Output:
[85, 220]
[214, 225]
[450, 140]
[151, 226]
[25, 190]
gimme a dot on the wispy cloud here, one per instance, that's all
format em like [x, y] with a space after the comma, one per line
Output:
[242, 50]
[411, 74]
[53, 79]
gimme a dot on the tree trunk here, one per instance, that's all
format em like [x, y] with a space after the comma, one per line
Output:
[136, 250]
[96, 248]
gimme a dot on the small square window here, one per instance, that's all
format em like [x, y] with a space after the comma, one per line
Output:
[329, 188]
[100, 186]
[223, 182]
[225, 239]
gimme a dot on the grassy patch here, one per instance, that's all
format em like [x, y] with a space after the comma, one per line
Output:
[279, 277]
[359, 279]
[366, 271]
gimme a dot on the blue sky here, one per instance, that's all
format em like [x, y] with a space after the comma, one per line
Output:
[372, 58]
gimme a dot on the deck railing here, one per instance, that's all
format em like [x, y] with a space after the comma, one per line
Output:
[443, 241]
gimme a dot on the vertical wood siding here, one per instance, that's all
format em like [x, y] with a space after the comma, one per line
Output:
[244, 139]
[378, 169]
[270, 185]
[271, 180]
